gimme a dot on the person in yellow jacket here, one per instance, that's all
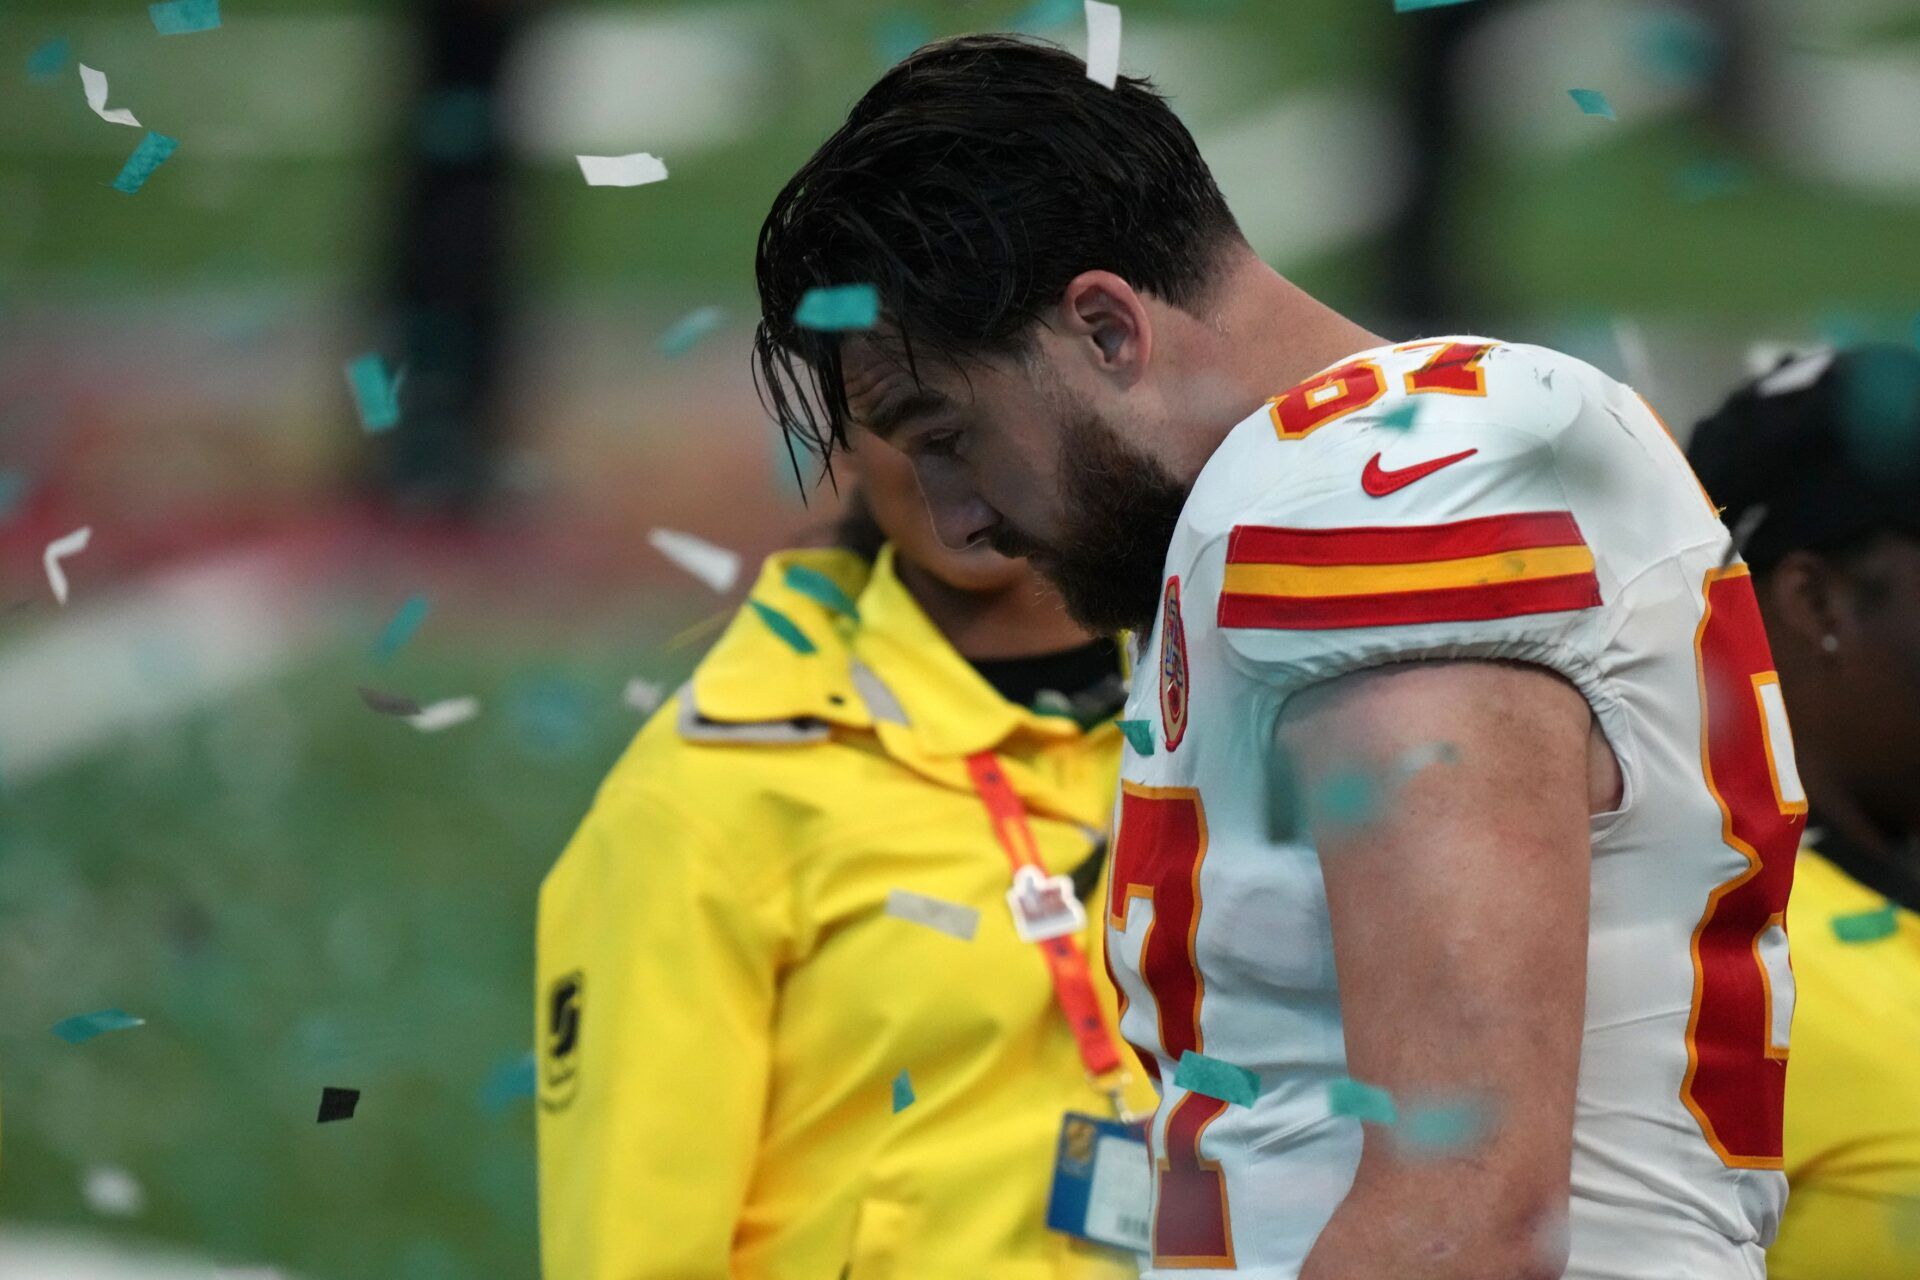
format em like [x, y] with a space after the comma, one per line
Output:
[1818, 463]
[756, 1062]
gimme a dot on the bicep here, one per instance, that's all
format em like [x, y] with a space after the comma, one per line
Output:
[1459, 902]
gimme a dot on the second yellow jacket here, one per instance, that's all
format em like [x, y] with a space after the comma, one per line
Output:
[725, 1004]
[1853, 1089]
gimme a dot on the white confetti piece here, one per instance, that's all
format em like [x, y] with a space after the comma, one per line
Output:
[445, 714]
[1637, 360]
[949, 918]
[623, 171]
[686, 332]
[1103, 43]
[1750, 521]
[1796, 375]
[58, 550]
[715, 566]
[644, 695]
[95, 84]
[112, 1192]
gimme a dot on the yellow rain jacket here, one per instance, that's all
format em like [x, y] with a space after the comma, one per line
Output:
[724, 1004]
[1853, 1089]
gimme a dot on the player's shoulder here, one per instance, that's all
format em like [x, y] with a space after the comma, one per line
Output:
[1427, 432]
[1455, 379]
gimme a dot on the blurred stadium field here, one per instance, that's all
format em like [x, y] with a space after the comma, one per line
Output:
[295, 892]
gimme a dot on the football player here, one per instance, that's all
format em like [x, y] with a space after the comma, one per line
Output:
[1463, 596]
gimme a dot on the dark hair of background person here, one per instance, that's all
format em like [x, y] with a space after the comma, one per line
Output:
[1818, 465]
[1821, 454]
[969, 185]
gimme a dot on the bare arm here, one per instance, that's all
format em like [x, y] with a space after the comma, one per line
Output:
[1459, 915]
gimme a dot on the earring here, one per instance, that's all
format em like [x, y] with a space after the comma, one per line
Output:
[1830, 643]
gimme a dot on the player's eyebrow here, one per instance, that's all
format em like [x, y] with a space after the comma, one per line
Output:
[893, 415]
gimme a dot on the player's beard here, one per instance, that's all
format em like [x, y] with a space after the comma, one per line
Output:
[1119, 509]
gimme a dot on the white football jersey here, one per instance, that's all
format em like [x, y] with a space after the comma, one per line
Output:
[1461, 498]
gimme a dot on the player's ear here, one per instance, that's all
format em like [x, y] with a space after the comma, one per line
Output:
[1106, 322]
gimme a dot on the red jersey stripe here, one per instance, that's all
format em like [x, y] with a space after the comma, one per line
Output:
[1479, 603]
[1402, 544]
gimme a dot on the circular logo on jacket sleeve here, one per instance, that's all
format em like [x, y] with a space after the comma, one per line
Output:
[1173, 669]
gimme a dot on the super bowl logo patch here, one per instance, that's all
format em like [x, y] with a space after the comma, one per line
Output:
[560, 1045]
[1173, 669]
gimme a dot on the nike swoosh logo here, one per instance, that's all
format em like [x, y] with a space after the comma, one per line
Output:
[1379, 482]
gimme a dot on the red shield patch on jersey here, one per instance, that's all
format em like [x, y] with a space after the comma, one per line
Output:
[1173, 669]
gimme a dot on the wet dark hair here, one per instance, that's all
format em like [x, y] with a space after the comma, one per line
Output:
[969, 185]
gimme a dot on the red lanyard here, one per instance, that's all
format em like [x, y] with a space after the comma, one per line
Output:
[1066, 962]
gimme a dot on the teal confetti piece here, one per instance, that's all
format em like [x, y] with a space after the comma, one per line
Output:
[83, 1027]
[510, 1080]
[838, 308]
[783, 626]
[1414, 6]
[1044, 15]
[1356, 796]
[49, 59]
[900, 34]
[1705, 180]
[1677, 46]
[902, 1093]
[1139, 734]
[1867, 926]
[551, 712]
[1879, 409]
[1442, 1130]
[184, 17]
[684, 334]
[405, 622]
[1401, 416]
[818, 586]
[375, 392]
[1840, 328]
[148, 156]
[1350, 797]
[1347, 1097]
[1592, 102]
[13, 487]
[1285, 804]
[454, 125]
[1197, 1073]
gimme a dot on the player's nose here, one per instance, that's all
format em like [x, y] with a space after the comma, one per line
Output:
[960, 515]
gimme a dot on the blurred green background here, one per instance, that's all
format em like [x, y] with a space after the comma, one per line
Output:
[200, 822]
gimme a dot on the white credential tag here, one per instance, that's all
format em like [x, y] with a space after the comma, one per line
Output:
[1121, 1194]
[1044, 907]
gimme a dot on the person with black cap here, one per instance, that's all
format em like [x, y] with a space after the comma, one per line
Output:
[1818, 465]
